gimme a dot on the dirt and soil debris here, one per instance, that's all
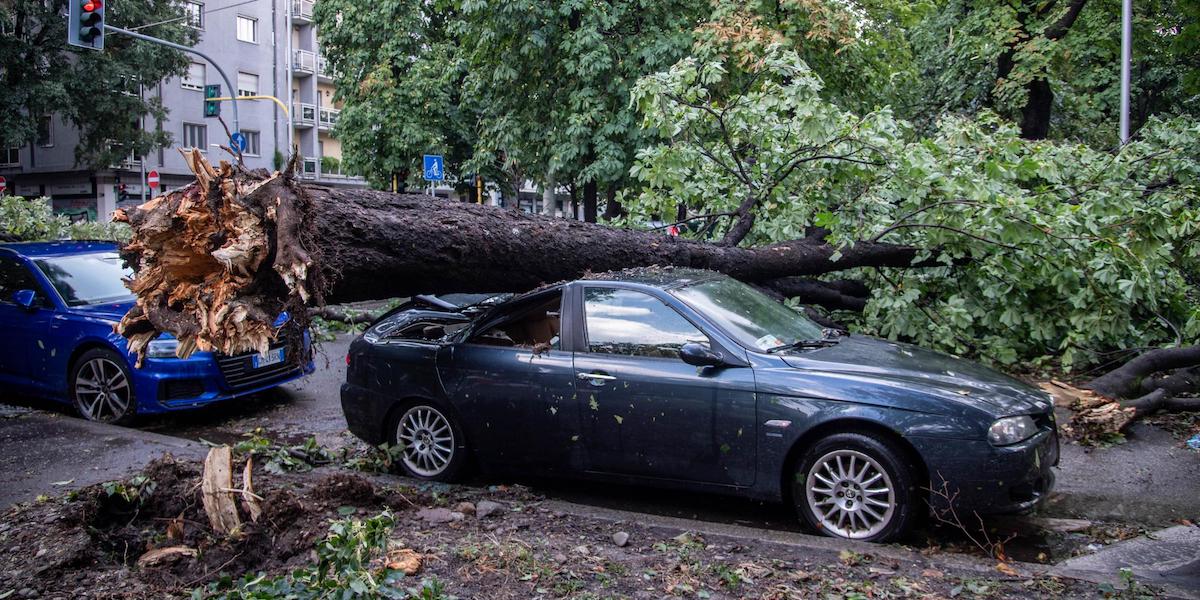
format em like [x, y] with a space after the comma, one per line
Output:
[499, 542]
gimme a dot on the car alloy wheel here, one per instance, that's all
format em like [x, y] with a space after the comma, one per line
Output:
[850, 494]
[427, 439]
[102, 391]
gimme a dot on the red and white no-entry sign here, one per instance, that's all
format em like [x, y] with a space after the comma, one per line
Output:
[152, 179]
[3, 184]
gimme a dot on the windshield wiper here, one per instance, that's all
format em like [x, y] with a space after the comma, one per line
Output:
[799, 344]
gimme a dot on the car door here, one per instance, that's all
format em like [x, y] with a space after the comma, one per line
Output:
[25, 330]
[645, 412]
[514, 384]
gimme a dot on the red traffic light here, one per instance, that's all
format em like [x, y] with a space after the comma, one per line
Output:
[92, 5]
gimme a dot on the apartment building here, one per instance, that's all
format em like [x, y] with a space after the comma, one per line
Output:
[266, 47]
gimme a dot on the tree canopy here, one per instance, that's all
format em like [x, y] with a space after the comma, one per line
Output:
[41, 76]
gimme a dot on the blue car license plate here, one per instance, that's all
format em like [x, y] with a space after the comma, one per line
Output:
[272, 357]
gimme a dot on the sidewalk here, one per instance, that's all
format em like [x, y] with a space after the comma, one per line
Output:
[49, 453]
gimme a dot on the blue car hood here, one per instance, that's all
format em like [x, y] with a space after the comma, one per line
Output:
[923, 371]
[112, 311]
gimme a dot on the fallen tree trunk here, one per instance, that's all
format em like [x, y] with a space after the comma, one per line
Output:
[217, 261]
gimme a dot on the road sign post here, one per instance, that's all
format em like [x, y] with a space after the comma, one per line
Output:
[152, 180]
[435, 170]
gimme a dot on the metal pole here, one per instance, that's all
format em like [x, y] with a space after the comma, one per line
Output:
[146, 38]
[1126, 58]
[288, 71]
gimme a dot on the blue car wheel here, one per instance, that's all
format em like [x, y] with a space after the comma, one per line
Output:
[101, 389]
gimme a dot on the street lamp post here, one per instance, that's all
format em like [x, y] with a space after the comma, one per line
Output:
[1126, 57]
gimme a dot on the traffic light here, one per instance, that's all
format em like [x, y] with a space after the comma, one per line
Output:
[212, 108]
[85, 23]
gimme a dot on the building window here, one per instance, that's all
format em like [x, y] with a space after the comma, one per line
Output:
[247, 84]
[194, 78]
[252, 143]
[45, 132]
[247, 29]
[194, 13]
[11, 156]
[195, 136]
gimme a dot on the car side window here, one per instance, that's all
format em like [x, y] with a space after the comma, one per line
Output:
[536, 327]
[14, 277]
[632, 323]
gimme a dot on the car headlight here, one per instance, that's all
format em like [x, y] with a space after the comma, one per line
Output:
[162, 348]
[1011, 430]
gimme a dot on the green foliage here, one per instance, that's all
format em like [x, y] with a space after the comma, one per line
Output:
[1129, 588]
[960, 45]
[1049, 248]
[279, 458]
[23, 220]
[133, 491]
[42, 76]
[348, 565]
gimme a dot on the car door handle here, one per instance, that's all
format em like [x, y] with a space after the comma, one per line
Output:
[595, 376]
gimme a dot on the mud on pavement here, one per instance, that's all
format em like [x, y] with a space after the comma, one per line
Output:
[454, 542]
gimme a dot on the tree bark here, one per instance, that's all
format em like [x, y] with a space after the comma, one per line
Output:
[612, 208]
[218, 260]
[1137, 377]
[590, 191]
[549, 200]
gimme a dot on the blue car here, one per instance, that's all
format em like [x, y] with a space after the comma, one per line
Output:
[58, 304]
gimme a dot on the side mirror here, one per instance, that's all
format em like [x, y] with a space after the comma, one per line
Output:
[25, 299]
[700, 355]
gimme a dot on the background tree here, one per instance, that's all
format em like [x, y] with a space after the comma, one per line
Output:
[41, 75]
[1046, 249]
[1053, 67]
[399, 73]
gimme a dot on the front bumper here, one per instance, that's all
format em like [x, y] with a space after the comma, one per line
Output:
[975, 476]
[169, 384]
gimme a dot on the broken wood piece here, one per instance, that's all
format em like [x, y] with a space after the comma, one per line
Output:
[158, 556]
[250, 500]
[405, 560]
[219, 503]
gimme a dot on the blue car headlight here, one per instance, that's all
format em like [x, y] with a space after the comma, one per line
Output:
[162, 348]
[1011, 430]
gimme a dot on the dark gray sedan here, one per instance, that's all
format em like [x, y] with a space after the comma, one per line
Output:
[688, 379]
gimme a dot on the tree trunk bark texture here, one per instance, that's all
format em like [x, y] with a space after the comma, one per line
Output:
[218, 260]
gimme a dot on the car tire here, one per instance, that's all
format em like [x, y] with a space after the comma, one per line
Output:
[432, 445]
[857, 486]
[101, 389]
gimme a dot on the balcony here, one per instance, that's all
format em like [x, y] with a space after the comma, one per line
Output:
[304, 62]
[328, 117]
[323, 69]
[302, 11]
[308, 169]
[303, 115]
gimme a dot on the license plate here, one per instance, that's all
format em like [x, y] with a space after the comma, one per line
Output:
[272, 357]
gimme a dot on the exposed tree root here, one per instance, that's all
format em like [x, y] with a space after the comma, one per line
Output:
[219, 261]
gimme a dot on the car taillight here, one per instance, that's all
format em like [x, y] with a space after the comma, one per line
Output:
[347, 359]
